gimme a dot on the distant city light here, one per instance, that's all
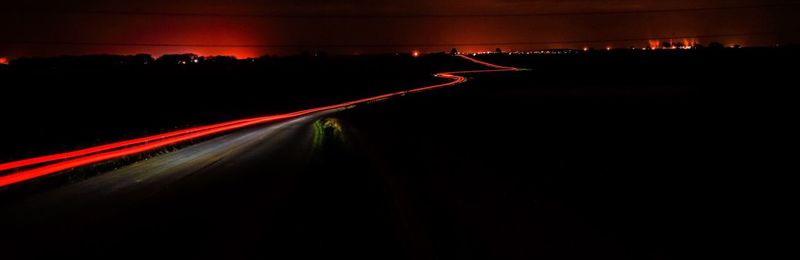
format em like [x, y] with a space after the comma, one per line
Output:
[415, 54]
[3, 60]
[654, 44]
[673, 44]
[545, 52]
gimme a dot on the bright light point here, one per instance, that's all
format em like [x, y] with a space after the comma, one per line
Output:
[3, 60]
[608, 48]
[585, 48]
[415, 54]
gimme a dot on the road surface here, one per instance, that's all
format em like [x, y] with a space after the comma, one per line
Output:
[21, 171]
[100, 207]
[537, 165]
[278, 185]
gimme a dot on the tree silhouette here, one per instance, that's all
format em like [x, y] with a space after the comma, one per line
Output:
[142, 59]
[177, 58]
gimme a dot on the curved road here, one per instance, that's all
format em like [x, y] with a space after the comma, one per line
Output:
[184, 203]
[32, 168]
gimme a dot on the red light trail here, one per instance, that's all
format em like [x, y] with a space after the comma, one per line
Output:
[68, 160]
[106, 147]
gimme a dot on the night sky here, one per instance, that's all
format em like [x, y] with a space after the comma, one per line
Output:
[56, 27]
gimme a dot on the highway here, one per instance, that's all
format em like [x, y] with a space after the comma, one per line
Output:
[188, 190]
[246, 183]
[499, 169]
[32, 168]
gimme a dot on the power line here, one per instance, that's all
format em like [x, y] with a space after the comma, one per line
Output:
[406, 45]
[400, 16]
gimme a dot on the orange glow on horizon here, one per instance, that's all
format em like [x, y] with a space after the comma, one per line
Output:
[236, 53]
[3, 60]
[237, 38]
[239, 53]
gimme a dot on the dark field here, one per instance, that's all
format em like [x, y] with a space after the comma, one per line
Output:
[600, 155]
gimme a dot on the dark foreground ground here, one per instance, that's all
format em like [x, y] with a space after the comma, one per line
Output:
[537, 164]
